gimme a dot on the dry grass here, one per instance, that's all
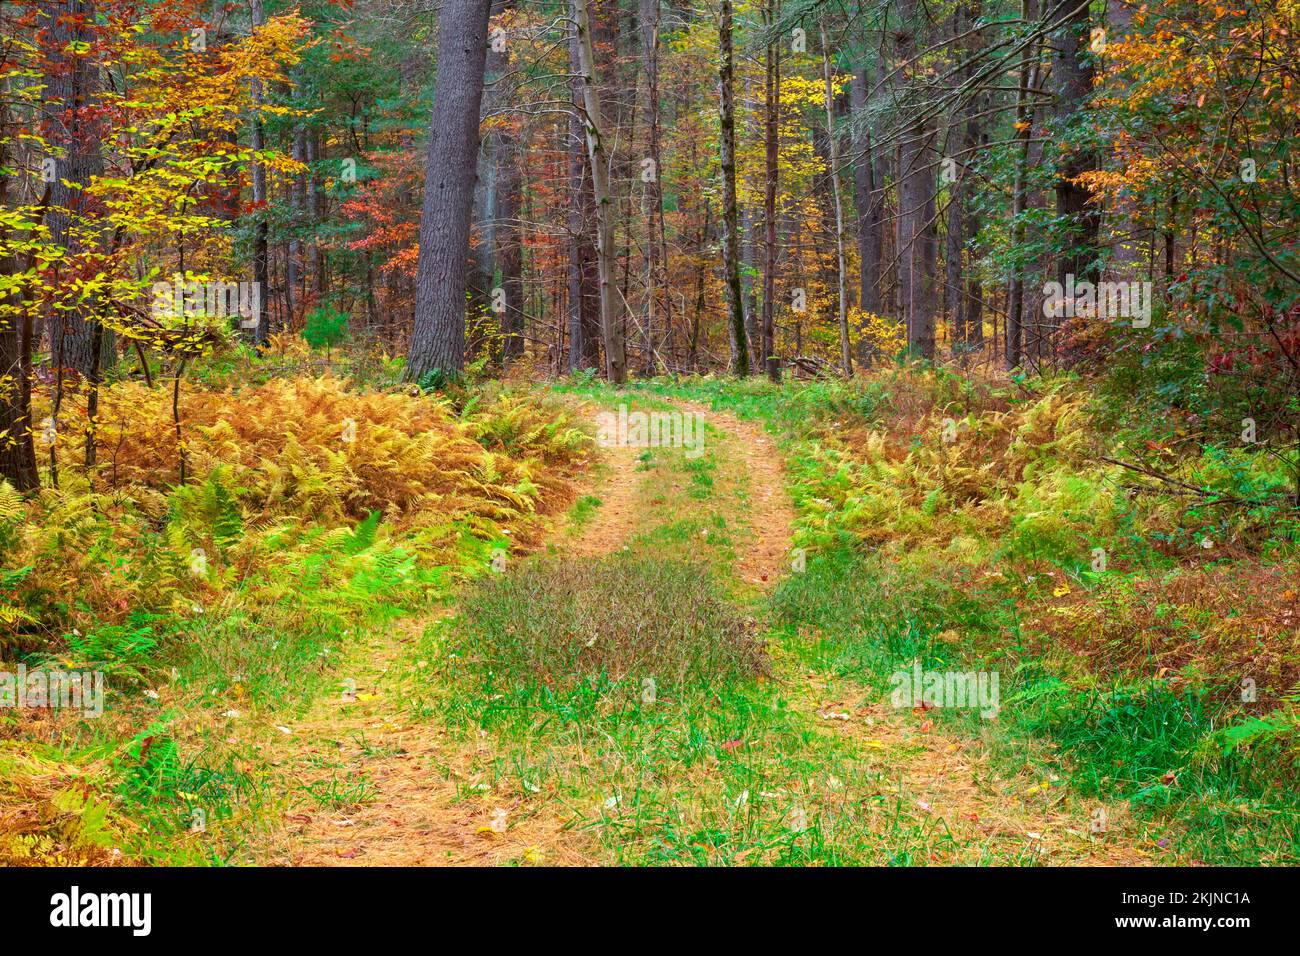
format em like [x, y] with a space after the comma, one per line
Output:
[558, 624]
[424, 797]
[950, 783]
[49, 813]
[1215, 625]
[313, 446]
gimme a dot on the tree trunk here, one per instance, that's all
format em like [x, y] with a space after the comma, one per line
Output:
[1016, 289]
[730, 223]
[480, 263]
[438, 336]
[611, 318]
[509, 243]
[578, 357]
[916, 198]
[315, 215]
[964, 135]
[1072, 75]
[75, 135]
[772, 171]
[507, 182]
[841, 269]
[748, 270]
[869, 198]
[974, 140]
[261, 231]
[584, 292]
[510, 247]
[17, 451]
[1129, 236]
[293, 258]
[656, 233]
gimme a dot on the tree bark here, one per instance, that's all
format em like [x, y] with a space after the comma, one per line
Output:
[75, 135]
[583, 291]
[261, 231]
[1072, 75]
[293, 258]
[438, 335]
[916, 199]
[316, 215]
[962, 224]
[771, 182]
[17, 450]
[974, 140]
[507, 183]
[510, 248]
[611, 317]
[841, 269]
[1019, 197]
[730, 223]
[869, 199]
[1129, 235]
[656, 233]
[748, 272]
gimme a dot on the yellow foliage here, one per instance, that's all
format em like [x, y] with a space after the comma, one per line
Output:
[1017, 477]
[314, 448]
[880, 336]
[12, 505]
[275, 474]
[43, 820]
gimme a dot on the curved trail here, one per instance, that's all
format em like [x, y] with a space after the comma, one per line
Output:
[426, 797]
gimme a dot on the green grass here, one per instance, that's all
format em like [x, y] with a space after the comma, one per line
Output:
[336, 794]
[583, 510]
[722, 764]
[551, 624]
[723, 771]
[263, 653]
[1166, 752]
[1158, 748]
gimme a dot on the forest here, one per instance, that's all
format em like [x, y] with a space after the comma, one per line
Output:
[649, 432]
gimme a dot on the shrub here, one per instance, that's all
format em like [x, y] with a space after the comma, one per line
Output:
[560, 624]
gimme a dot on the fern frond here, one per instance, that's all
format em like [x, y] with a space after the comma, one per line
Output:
[12, 505]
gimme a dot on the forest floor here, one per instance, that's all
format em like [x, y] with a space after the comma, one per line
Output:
[475, 636]
[794, 764]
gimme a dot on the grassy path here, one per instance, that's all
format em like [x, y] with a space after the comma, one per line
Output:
[435, 762]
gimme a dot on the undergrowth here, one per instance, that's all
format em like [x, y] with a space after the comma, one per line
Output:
[312, 509]
[1135, 590]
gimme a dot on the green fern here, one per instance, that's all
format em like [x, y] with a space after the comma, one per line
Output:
[206, 510]
[363, 536]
